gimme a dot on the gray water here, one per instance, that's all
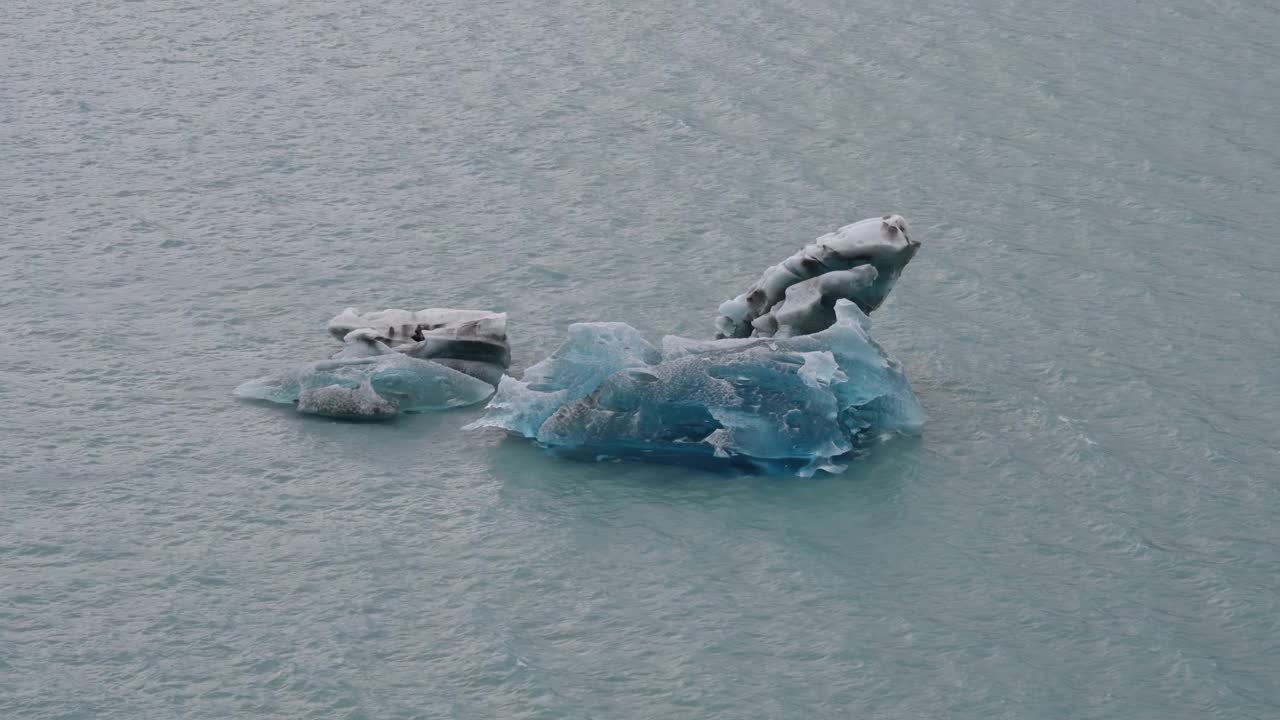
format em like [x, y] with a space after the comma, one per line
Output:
[1087, 529]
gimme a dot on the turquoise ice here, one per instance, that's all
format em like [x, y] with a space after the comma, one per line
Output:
[769, 405]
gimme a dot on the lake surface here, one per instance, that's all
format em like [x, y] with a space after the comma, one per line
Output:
[1087, 529]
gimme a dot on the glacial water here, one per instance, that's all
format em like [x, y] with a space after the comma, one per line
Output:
[1087, 527]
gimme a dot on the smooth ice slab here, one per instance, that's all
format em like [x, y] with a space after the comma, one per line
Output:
[368, 380]
[878, 243]
[779, 405]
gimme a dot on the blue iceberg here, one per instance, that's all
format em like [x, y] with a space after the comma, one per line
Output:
[792, 384]
[368, 380]
[795, 404]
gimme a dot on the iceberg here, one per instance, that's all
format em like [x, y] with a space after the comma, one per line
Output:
[793, 405]
[396, 361]
[793, 382]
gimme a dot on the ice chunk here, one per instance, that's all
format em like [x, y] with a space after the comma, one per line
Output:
[795, 404]
[367, 379]
[473, 342]
[881, 243]
[591, 353]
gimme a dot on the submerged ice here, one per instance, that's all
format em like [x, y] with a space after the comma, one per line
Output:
[784, 405]
[396, 361]
[368, 380]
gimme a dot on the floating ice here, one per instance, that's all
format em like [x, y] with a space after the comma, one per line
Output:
[446, 359]
[470, 341]
[776, 405]
[878, 243]
[793, 384]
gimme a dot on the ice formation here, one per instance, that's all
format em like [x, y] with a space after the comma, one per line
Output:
[793, 384]
[773, 405]
[396, 361]
[881, 244]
